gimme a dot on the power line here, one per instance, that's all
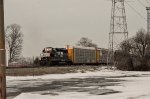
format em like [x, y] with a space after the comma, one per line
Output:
[135, 11]
[141, 3]
[147, 1]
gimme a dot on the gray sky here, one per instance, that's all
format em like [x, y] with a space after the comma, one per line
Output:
[57, 23]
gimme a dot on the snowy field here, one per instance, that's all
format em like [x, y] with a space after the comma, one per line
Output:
[101, 84]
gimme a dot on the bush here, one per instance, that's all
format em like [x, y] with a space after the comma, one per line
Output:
[123, 61]
[134, 53]
[141, 64]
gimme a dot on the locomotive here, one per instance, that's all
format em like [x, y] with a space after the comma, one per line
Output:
[73, 55]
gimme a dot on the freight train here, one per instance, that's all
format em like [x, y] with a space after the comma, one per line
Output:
[73, 56]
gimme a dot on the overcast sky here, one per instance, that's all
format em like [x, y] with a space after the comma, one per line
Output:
[57, 23]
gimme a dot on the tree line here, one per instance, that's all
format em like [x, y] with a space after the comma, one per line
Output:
[134, 53]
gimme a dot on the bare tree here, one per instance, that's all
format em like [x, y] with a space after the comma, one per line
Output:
[85, 42]
[135, 52]
[14, 39]
[36, 61]
[126, 46]
[137, 45]
[141, 42]
[25, 61]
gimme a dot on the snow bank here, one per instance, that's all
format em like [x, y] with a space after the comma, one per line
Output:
[76, 75]
[132, 88]
[32, 96]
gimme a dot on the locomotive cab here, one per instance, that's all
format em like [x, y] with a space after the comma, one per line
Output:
[54, 56]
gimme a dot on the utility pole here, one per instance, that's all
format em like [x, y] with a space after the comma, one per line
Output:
[118, 27]
[148, 19]
[2, 54]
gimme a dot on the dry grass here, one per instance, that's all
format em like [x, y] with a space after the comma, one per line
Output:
[48, 70]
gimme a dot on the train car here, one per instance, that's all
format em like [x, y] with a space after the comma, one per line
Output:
[103, 55]
[73, 55]
[83, 55]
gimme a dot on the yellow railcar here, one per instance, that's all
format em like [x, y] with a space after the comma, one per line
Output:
[83, 55]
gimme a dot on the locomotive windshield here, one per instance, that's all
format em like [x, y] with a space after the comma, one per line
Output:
[47, 50]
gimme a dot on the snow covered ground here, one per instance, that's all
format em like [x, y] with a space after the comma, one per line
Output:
[110, 84]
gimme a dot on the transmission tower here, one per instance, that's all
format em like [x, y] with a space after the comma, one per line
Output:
[148, 19]
[118, 27]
